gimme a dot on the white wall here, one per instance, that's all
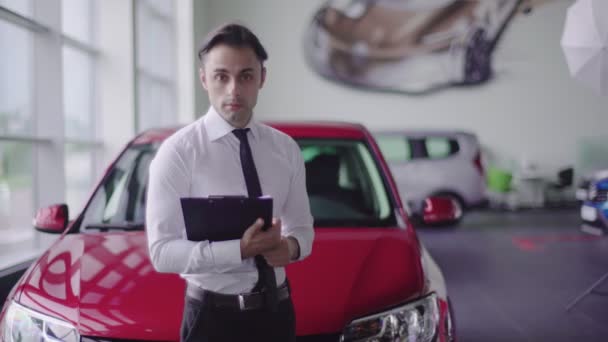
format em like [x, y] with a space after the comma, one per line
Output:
[532, 108]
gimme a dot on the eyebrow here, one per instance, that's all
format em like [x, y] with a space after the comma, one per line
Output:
[223, 70]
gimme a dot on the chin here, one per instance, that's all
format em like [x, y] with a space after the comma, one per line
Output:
[236, 119]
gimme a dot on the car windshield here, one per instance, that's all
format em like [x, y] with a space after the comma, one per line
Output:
[120, 201]
[344, 185]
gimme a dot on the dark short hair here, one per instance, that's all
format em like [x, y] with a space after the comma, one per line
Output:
[234, 35]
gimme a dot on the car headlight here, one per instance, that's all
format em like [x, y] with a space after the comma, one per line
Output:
[24, 325]
[416, 321]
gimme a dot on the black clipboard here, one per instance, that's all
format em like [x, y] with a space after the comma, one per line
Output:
[222, 218]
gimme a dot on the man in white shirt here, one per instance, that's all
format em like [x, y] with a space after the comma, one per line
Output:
[237, 289]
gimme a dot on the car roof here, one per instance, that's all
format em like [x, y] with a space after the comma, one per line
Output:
[316, 129]
[154, 135]
[426, 132]
[321, 129]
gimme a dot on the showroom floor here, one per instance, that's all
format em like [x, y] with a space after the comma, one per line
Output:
[512, 275]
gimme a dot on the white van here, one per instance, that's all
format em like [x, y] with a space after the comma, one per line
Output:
[431, 163]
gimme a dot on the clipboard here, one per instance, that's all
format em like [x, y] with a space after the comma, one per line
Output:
[222, 218]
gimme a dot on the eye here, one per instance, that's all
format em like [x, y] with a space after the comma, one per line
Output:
[220, 77]
[246, 77]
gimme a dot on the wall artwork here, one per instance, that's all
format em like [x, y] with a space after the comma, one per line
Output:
[408, 46]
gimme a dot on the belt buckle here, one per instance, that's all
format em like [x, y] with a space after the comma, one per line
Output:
[241, 302]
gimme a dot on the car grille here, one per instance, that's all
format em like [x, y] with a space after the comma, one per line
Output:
[602, 196]
[319, 338]
[309, 338]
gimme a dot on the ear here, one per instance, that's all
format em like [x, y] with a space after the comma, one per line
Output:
[263, 78]
[202, 77]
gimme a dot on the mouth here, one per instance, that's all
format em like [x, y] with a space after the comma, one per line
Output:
[233, 106]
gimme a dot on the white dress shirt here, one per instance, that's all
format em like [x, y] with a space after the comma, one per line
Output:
[203, 159]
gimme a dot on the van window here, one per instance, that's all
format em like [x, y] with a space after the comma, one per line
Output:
[394, 148]
[440, 147]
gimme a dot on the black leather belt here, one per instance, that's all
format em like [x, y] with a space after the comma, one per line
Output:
[238, 302]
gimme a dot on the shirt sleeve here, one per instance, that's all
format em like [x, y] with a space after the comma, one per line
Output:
[170, 251]
[297, 219]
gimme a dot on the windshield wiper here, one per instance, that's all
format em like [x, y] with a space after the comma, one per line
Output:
[127, 226]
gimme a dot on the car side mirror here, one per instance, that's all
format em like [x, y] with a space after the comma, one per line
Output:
[440, 210]
[53, 219]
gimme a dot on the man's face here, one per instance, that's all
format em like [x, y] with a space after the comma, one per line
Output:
[232, 77]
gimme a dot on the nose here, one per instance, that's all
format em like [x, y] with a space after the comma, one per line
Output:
[234, 87]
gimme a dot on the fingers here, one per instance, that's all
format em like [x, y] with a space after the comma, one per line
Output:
[278, 256]
[257, 241]
[275, 229]
[255, 227]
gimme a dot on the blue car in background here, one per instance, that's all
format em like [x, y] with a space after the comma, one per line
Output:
[594, 210]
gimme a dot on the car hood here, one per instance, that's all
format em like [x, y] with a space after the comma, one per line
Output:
[353, 273]
[105, 285]
[602, 183]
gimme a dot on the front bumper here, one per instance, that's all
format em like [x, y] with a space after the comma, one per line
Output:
[595, 217]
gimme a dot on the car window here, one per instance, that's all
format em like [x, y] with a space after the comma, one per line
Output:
[344, 184]
[121, 196]
[395, 149]
[440, 147]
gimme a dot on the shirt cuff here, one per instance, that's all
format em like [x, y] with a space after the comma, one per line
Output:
[294, 248]
[302, 246]
[226, 252]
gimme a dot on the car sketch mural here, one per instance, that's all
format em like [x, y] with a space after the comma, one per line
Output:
[409, 46]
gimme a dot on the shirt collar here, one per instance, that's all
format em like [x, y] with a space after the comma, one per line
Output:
[217, 127]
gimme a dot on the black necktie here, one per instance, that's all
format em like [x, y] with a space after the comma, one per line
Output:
[266, 277]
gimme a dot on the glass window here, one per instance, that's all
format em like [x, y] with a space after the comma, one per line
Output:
[16, 191]
[16, 81]
[344, 184]
[155, 43]
[23, 7]
[76, 19]
[78, 102]
[155, 103]
[79, 176]
[394, 148]
[438, 147]
[77, 94]
[161, 6]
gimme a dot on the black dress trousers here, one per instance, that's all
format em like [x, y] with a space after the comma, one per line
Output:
[202, 322]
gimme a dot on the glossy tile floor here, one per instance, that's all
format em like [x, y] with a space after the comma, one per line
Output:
[512, 275]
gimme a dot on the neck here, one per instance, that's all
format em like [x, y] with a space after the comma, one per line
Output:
[240, 122]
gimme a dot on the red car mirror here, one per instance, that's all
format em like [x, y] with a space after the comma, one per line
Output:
[52, 219]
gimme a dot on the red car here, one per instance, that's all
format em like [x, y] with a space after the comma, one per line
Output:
[368, 277]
